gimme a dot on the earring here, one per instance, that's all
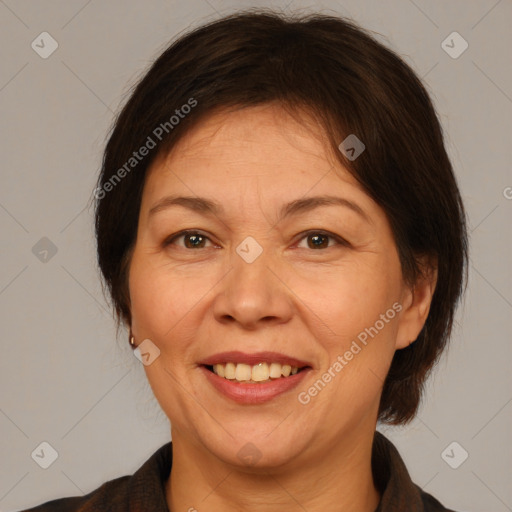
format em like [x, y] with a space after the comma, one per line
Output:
[132, 340]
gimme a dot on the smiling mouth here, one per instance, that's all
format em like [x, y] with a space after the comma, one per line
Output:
[256, 374]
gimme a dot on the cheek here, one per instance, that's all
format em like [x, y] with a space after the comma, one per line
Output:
[351, 299]
[162, 296]
[356, 326]
[151, 296]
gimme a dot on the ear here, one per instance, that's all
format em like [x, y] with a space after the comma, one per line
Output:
[416, 302]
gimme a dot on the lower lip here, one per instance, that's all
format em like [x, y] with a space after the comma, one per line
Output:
[246, 393]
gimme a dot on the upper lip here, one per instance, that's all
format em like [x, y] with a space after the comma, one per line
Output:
[253, 359]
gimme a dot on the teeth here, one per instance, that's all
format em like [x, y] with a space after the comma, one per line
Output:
[229, 370]
[275, 370]
[221, 370]
[243, 372]
[260, 372]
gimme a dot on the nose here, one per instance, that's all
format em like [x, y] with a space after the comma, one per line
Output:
[253, 294]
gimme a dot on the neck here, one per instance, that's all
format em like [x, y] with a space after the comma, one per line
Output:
[338, 479]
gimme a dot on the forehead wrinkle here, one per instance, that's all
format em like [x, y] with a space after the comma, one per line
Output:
[300, 136]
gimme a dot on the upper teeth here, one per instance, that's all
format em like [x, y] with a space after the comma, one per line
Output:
[258, 373]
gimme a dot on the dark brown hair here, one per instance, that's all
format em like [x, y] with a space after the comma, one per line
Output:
[352, 84]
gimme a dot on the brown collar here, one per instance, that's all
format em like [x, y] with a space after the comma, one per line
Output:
[392, 479]
[145, 489]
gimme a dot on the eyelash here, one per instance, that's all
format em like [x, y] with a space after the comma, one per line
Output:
[338, 239]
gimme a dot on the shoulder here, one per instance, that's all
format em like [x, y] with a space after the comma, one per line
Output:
[398, 491]
[430, 504]
[145, 488]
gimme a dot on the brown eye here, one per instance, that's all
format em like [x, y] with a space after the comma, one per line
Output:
[320, 240]
[315, 240]
[193, 239]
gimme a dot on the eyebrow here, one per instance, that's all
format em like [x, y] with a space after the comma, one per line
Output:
[304, 205]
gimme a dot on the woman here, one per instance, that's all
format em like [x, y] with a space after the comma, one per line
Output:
[280, 229]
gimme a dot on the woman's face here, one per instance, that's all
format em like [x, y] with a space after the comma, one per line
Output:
[269, 270]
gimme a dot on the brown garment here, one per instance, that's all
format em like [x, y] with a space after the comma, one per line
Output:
[145, 490]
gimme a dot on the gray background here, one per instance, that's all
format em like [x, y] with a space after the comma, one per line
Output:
[64, 378]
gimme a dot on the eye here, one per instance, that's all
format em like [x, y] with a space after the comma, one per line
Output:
[320, 239]
[196, 240]
[193, 239]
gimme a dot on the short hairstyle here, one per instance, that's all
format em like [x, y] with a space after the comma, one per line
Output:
[338, 72]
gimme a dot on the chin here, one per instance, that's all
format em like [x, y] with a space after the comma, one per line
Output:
[258, 451]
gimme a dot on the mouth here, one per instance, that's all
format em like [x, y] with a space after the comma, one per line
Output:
[259, 373]
[254, 378]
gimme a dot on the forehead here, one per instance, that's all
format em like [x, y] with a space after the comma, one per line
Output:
[254, 163]
[247, 126]
[263, 142]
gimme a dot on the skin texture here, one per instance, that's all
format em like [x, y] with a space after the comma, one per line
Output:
[295, 298]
